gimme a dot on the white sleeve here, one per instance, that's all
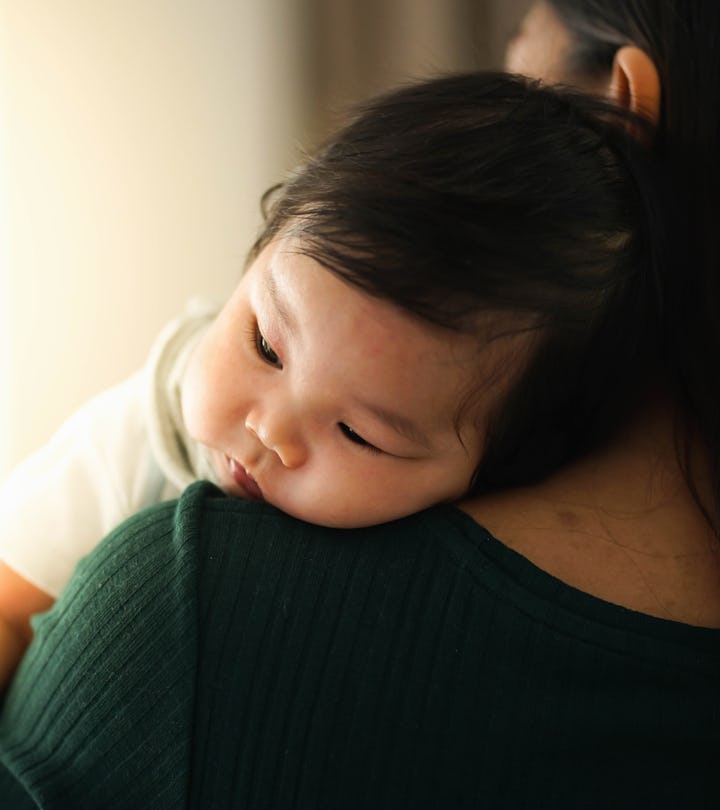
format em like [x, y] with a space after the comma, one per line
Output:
[95, 472]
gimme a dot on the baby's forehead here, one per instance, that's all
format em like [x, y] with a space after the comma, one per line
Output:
[344, 323]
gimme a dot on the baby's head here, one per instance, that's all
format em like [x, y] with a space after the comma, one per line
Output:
[437, 305]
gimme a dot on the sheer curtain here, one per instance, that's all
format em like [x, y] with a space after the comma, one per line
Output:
[135, 140]
[364, 46]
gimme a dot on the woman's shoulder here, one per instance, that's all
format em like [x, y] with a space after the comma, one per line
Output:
[511, 552]
[653, 555]
[635, 538]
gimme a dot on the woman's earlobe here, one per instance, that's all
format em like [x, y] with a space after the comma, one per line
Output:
[635, 83]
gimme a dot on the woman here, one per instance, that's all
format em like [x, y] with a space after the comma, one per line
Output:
[659, 58]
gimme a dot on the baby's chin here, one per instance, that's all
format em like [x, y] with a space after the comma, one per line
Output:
[350, 518]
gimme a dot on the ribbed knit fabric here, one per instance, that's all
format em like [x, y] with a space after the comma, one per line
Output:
[100, 713]
[219, 654]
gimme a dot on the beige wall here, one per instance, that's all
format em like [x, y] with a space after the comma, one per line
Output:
[135, 139]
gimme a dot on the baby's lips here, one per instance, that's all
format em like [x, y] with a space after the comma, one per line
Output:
[245, 481]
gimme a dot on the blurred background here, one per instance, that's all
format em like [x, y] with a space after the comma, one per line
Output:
[136, 137]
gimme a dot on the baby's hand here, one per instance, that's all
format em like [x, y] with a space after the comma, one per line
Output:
[19, 600]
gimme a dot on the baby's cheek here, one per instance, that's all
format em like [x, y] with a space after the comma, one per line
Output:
[195, 400]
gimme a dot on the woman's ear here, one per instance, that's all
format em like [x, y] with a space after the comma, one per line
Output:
[635, 83]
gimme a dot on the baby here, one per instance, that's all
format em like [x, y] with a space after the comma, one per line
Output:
[461, 240]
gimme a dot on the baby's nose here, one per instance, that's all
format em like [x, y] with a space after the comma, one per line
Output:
[280, 436]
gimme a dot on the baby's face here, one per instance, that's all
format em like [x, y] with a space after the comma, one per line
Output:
[332, 405]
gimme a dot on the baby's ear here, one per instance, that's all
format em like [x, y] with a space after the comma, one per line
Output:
[635, 83]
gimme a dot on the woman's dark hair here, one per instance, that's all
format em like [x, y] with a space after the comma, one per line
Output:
[489, 194]
[682, 37]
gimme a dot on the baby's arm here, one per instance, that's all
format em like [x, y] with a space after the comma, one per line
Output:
[19, 600]
[101, 467]
[60, 502]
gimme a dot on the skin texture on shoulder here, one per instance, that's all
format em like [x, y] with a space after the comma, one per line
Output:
[619, 524]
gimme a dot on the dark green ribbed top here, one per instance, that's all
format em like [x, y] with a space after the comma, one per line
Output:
[215, 653]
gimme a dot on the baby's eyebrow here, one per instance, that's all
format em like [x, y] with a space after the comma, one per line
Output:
[400, 424]
[283, 311]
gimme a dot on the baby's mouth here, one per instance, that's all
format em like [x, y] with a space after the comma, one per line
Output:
[244, 480]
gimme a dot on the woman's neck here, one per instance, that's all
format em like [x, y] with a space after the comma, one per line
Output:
[621, 523]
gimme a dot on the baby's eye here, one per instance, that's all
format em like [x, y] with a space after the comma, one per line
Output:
[266, 351]
[356, 438]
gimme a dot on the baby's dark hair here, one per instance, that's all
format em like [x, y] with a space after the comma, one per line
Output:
[481, 194]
